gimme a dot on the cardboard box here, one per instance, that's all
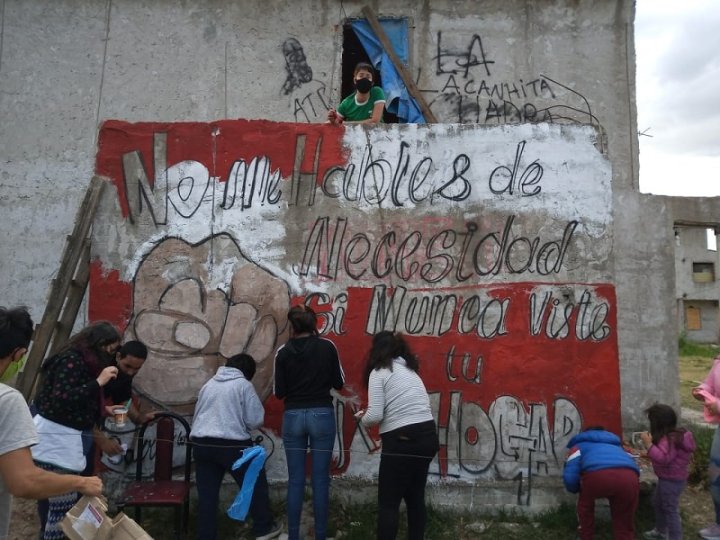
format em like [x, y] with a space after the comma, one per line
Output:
[88, 520]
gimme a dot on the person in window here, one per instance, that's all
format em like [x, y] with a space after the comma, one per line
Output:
[365, 105]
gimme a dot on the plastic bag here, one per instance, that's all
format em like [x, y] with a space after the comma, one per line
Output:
[255, 455]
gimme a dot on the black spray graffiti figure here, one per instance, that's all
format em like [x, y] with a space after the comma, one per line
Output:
[298, 70]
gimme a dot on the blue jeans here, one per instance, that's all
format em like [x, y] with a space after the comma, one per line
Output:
[315, 429]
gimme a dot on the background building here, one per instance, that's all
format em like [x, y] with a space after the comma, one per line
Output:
[698, 290]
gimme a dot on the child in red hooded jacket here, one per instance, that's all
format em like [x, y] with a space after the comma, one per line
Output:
[670, 450]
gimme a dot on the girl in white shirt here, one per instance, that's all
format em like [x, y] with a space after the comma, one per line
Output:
[399, 403]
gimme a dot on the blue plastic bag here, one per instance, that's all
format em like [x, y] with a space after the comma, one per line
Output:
[256, 456]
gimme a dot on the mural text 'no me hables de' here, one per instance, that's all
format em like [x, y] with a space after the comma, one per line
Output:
[489, 247]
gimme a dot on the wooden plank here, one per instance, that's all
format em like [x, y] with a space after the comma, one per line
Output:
[63, 327]
[74, 301]
[60, 285]
[402, 71]
[692, 318]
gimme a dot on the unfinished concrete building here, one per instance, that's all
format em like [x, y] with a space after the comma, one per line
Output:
[697, 287]
[508, 240]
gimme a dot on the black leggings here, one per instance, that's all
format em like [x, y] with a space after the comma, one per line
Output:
[404, 463]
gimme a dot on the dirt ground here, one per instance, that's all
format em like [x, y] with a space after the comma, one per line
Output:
[24, 523]
[697, 511]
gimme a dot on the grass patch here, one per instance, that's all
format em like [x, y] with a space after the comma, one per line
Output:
[358, 522]
[701, 457]
[562, 518]
[694, 364]
[562, 522]
[688, 348]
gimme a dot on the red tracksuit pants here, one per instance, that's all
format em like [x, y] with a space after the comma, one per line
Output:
[621, 488]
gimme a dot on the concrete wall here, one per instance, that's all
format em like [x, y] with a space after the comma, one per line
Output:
[646, 305]
[692, 217]
[706, 312]
[487, 246]
[67, 66]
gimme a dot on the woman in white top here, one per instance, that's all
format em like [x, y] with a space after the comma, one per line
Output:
[399, 403]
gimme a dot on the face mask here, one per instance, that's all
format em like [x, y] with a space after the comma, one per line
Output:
[105, 358]
[363, 85]
[12, 369]
[123, 378]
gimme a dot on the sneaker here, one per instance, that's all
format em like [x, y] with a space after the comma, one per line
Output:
[654, 535]
[711, 532]
[274, 532]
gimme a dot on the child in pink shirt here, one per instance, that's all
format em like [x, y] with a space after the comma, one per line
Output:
[670, 450]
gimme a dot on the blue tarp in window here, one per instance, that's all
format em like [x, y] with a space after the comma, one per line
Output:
[399, 101]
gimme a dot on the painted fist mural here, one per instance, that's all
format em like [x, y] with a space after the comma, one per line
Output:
[196, 305]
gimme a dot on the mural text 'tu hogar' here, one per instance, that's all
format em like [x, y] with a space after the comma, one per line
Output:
[489, 247]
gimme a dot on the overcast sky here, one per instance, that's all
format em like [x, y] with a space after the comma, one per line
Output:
[678, 96]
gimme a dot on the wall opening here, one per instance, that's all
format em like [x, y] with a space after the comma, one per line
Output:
[693, 318]
[353, 52]
[711, 240]
[703, 272]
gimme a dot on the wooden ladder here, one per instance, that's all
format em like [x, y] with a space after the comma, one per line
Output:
[67, 291]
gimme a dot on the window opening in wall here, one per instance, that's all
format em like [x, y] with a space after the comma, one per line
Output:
[711, 240]
[703, 272]
[693, 321]
[354, 52]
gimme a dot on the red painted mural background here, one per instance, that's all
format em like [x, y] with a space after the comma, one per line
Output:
[530, 350]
